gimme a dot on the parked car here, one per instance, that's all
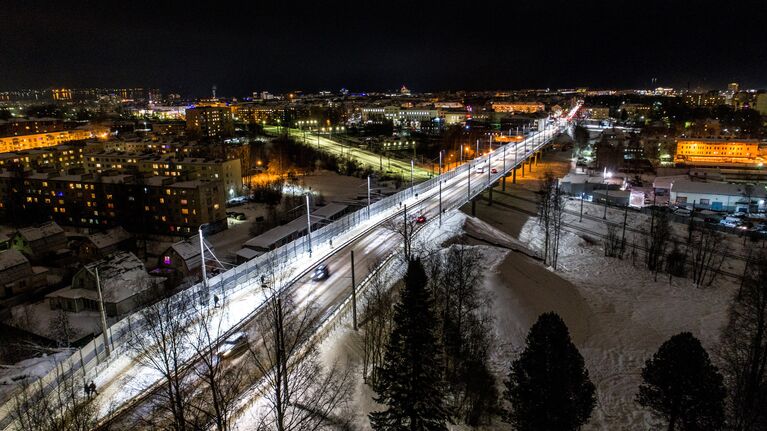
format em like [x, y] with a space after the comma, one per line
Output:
[729, 221]
[321, 272]
[684, 212]
[233, 346]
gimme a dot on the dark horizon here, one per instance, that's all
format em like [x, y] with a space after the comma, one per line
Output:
[429, 48]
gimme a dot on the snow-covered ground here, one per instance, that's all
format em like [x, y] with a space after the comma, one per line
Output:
[617, 314]
[28, 370]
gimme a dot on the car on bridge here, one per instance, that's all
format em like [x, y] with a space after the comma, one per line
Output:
[321, 272]
[421, 219]
[233, 346]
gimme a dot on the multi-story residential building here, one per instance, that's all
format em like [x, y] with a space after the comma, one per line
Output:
[160, 205]
[761, 103]
[42, 140]
[596, 112]
[522, 107]
[32, 126]
[708, 100]
[211, 122]
[58, 157]
[188, 168]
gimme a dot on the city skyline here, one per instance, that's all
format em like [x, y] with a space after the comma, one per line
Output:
[189, 49]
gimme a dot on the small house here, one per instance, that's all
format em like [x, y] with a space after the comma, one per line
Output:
[124, 281]
[39, 242]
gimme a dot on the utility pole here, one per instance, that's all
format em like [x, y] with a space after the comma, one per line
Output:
[406, 237]
[440, 187]
[504, 166]
[476, 154]
[103, 314]
[581, 216]
[308, 224]
[412, 167]
[368, 197]
[461, 153]
[468, 175]
[202, 260]
[354, 296]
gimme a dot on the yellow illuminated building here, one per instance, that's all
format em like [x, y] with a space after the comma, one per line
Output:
[61, 94]
[41, 140]
[718, 151]
[523, 107]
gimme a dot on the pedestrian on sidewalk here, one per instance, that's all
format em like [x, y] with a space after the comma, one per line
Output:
[87, 390]
[92, 387]
[215, 301]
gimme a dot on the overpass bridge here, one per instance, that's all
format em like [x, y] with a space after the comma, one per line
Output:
[126, 382]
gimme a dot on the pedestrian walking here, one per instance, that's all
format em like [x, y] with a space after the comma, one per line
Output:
[215, 301]
[87, 390]
[92, 387]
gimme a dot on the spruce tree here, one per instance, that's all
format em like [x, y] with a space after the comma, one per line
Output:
[411, 381]
[682, 386]
[548, 385]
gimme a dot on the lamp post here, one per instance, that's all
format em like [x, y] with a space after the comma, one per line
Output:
[412, 167]
[202, 258]
[440, 187]
[308, 224]
[368, 197]
[102, 313]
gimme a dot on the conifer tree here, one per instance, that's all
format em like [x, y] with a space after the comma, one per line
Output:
[682, 386]
[549, 386]
[411, 382]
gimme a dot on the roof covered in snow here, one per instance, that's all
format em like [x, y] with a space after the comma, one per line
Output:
[109, 237]
[46, 230]
[11, 258]
[723, 189]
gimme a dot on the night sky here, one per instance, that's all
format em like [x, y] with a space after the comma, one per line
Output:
[429, 46]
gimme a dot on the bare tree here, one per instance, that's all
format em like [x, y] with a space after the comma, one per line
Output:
[656, 242]
[551, 209]
[743, 351]
[707, 255]
[465, 322]
[613, 242]
[223, 383]
[64, 408]
[300, 395]
[377, 319]
[160, 342]
[60, 328]
[404, 225]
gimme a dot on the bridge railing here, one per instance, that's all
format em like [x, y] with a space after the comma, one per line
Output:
[92, 357]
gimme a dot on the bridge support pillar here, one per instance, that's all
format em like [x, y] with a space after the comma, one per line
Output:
[503, 185]
[523, 168]
[473, 207]
[490, 202]
[514, 175]
[538, 156]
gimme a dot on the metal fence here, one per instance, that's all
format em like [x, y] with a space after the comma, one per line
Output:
[92, 356]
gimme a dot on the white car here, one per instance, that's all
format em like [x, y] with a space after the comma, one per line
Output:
[684, 212]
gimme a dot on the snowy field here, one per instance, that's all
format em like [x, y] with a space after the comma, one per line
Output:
[617, 314]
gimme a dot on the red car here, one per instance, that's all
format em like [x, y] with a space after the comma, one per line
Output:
[493, 171]
[420, 219]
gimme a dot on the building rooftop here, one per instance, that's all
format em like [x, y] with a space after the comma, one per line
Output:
[11, 258]
[45, 230]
